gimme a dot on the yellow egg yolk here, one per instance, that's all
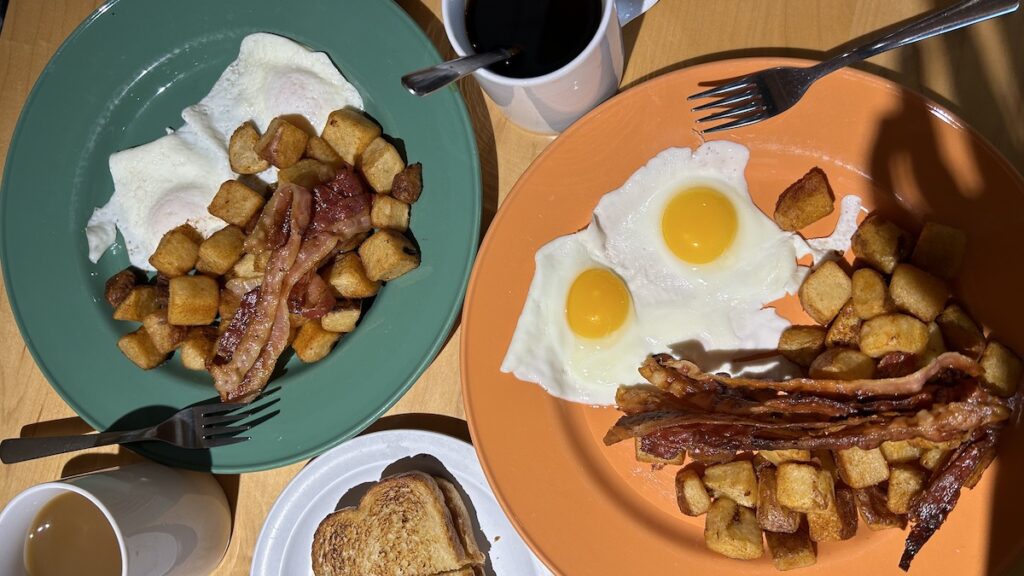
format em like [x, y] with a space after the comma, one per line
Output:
[598, 303]
[699, 224]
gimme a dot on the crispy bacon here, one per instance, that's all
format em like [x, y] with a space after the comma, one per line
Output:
[229, 340]
[341, 206]
[274, 224]
[311, 297]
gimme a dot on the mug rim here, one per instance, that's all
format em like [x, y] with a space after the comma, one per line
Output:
[447, 8]
[67, 487]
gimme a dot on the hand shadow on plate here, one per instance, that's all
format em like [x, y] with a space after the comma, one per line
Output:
[429, 465]
[769, 363]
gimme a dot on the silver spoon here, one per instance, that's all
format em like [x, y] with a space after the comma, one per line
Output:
[428, 80]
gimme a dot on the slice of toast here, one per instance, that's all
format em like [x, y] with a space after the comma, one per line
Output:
[460, 516]
[402, 527]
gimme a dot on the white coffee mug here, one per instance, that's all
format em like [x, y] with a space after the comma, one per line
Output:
[550, 103]
[167, 521]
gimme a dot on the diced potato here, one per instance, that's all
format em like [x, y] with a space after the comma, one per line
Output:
[844, 332]
[1002, 369]
[244, 268]
[352, 243]
[141, 301]
[120, 285]
[283, 144]
[349, 132]
[344, 317]
[242, 151]
[802, 344]
[236, 203]
[389, 213]
[165, 336]
[219, 252]
[777, 457]
[798, 487]
[771, 515]
[691, 495]
[875, 511]
[380, 163]
[408, 184]
[306, 173]
[932, 458]
[139, 348]
[198, 347]
[735, 480]
[880, 243]
[940, 250]
[806, 201]
[862, 468]
[893, 333]
[229, 303]
[177, 252]
[348, 277]
[791, 551]
[870, 294]
[825, 291]
[194, 300]
[935, 347]
[917, 292]
[261, 261]
[900, 451]
[318, 149]
[313, 343]
[842, 364]
[905, 482]
[732, 531]
[387, 254]
[838, 520]
[826, 461]
[960, 332]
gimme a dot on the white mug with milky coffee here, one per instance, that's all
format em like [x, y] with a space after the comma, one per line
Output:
[159, 520]
[551, 102]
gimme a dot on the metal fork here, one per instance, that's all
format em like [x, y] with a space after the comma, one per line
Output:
[201, 426]
[770, 92]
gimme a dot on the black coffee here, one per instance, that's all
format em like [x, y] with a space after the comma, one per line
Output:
[549, 33]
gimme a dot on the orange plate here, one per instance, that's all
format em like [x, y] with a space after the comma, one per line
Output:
[588, 509]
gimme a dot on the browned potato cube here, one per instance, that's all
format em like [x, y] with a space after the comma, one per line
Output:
[236, 203]
[735, 480]
[905, 482]
[838, 521]
[348, 277]
[219, 252]
[318, 149]
[165, 336]
[842, 364]
[380, 164]
[960, 332]
[349, 132]
[917, 292]
[802, 344]
[691, 495]
[806, 201]
[141, 301]
[880, 243]
[893, 333]
[777, 457]
[313, 343]
[732, 531]
[282, 144]
[825, 291]
[408, 184]
[344, 317]
[875, 511]
[198, 347]
[194, 301]
[386, 255]
[120, 285]
[177, 252]
[242, 151]
[244, 268]
[862, 468]
[791, 551]
[306, 173]
[139, 348]
[870, 294]
[229, 303]
[935, 346]
[771, 515]
[900, 451]
[389, 213]
[932, 458]
[940, 250]
[844, 332]
[826, 461]
[1002, 369]
[260, 263]
[798, 487]
[352, 243]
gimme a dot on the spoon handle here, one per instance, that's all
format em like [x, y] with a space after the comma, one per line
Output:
[427, 80]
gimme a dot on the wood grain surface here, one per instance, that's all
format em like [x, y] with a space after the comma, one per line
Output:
[978, 72]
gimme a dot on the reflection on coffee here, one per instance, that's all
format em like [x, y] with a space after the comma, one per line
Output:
[70, 535]
[550, 33]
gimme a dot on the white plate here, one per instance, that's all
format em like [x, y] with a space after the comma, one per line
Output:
[339, 477]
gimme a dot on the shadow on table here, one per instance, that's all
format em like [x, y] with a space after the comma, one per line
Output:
[447, 425]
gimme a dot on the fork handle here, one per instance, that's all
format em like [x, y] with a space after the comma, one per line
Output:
[21, 449]
[953, 17]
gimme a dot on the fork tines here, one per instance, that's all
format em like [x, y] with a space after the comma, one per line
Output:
[742, 100]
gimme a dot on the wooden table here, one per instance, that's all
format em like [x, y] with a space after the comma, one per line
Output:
[979, 73]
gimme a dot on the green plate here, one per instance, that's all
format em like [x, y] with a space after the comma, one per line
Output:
[119, 81]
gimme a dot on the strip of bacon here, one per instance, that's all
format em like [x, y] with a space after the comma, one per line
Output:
[311, 297]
